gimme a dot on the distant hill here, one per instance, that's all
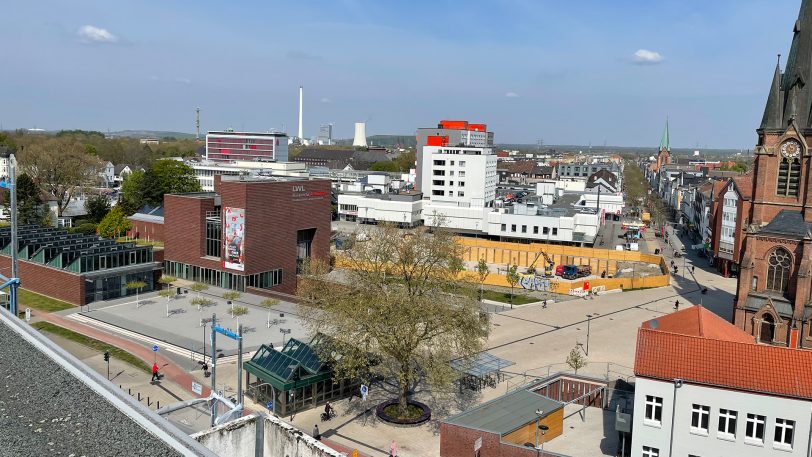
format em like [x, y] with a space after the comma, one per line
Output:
[151, 133]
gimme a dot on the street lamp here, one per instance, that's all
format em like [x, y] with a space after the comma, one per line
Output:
[203, 323]
[543, 429]
[11, 185]
[284, 331]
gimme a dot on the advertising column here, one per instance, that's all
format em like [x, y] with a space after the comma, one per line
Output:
[234, 238]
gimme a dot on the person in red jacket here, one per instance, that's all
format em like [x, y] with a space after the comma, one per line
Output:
[155, 376]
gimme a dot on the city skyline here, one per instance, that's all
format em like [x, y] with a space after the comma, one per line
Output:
[567, 73]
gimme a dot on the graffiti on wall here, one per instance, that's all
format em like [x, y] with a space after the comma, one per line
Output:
[532, 282]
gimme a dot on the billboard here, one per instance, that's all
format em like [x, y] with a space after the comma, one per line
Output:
[234, 238]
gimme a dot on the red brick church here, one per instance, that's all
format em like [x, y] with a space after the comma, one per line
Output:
[773, 295]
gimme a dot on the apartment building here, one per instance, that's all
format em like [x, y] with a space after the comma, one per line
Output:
[705, 388]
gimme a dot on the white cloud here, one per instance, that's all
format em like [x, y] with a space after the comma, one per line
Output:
[90, 34]
[646, 57]
[326, 100]
[511, 95]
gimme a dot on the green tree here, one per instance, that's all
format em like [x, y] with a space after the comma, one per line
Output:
[513, 278]
[482, 272]
[199, 287]
[114, 224]
[168, 177]
[29, 201]
[385, 165]
[201, 302]
[61, 167]
[137, 286]
[399, 303]
[269, 303]
[97, 206]
[576, 360]
[132, 192]
[230, 296]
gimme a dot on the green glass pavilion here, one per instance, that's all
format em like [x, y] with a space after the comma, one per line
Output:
[295, 378]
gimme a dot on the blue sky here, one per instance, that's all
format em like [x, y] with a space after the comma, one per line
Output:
[567, 71]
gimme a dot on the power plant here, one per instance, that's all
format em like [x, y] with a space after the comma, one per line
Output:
[360, 138]
[301, 109]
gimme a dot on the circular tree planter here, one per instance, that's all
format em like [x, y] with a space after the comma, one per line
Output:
[382, 408]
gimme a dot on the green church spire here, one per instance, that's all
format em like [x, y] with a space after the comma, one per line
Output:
[665, 141]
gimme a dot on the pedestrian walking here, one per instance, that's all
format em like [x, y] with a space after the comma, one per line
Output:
[693, 269]
[393, 449]
[316, 433]
[155, 376]
[676, 305]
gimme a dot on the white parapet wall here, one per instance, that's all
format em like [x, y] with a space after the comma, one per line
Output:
[240, 438]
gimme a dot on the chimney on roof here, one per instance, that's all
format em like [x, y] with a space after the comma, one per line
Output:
[301, 108]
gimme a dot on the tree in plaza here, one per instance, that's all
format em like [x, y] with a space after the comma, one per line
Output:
[269, 303]
[137, 286]
[201, 302]
[576, 360]
[97, 206]
[114, 223]
[482, 272]
[399, 303]
[60, 166]
[229, 297]
[199, 287]
[513, 278]
[168, 294]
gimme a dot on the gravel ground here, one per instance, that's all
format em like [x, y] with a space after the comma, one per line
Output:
[45, 411]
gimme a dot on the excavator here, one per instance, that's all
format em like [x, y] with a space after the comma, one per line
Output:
[548, 264]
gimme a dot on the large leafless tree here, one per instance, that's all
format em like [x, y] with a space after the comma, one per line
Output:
[400, 301]
[60, 166]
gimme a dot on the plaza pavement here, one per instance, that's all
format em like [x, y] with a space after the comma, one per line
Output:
[535, 338]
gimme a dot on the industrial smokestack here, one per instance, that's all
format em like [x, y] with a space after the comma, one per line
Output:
[301, 106]
[360, 135]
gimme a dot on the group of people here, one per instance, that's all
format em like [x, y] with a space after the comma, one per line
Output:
[328, 409]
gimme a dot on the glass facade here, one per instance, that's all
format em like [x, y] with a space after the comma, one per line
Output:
[115, 286]
[226, 280]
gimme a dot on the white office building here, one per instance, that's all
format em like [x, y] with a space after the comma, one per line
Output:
[206, 170]
[459, 185]
[705, 388]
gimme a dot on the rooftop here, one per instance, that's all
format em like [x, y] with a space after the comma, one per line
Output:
[506, 413]
[698, 321]
[788, 222]
[53, 404]
[726, 363]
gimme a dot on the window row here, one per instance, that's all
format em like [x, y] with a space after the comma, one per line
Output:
[545, 230]
[754, 430]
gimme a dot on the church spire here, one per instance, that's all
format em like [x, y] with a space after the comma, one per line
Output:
[772, 111]
[795, 83]
[665, 141]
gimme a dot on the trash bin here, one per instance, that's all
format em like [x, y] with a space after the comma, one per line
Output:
[656, 251]
[178, 292]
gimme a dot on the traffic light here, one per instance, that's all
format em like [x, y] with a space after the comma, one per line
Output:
[106, 356]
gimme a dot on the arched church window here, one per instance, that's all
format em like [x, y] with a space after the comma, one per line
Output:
[778, 268]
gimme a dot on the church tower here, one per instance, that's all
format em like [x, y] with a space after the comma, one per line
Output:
[773, 293]
[664, 152]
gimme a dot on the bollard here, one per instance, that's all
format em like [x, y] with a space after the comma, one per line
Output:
[129, 391]
[148, 402]
[139, 396]
[158, 403]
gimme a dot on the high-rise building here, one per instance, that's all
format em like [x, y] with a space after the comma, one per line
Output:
[774, 296]
[451, 133]
[326, 134]
[231, 146]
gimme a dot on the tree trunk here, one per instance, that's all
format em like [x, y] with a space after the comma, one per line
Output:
[403, 387]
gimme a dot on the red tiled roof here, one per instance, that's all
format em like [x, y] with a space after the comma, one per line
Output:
[745, 185]
[749, 367]
[524, 166]
[698, 321]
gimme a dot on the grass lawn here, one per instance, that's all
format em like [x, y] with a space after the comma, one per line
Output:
[93, 344]
[504, 297]
[140, 242]
[29, 299]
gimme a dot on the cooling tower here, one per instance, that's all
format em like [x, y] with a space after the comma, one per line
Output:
[360, 135]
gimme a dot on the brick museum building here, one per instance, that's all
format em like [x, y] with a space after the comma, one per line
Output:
[774, 294]
[250, 235]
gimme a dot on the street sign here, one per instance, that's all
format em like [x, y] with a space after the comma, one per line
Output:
[197, 388]
[364, 391]
[270, 405]
[478, 444]
[154, 348]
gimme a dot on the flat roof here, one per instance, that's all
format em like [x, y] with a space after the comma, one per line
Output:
[507, 413]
